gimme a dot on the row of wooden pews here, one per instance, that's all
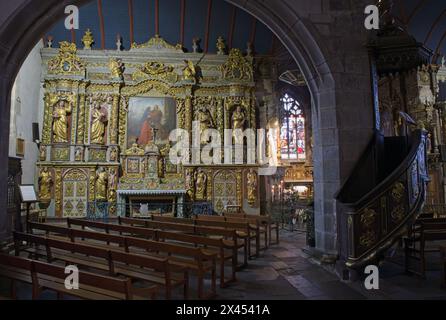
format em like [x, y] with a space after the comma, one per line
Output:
[45, 276]
[424, 237]
[160, 254]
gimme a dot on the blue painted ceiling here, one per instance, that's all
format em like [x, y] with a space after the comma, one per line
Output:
[116, 18]
[426, 20]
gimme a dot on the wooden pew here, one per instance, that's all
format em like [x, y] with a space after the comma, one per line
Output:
[220, 244]
[228, 234]
[244, 229]
[109, 227]
[264, 220]
[199, 258]
[192, 258]
[44, 276]
[91, 286]
[423, 232]
[100, 259]
[17, 269]
[254, 224]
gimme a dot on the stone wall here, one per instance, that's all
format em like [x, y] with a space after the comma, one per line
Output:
[26, 108]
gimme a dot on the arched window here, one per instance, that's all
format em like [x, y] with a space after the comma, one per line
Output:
[292, 133]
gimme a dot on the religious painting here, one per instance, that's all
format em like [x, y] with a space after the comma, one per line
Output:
[150, 120]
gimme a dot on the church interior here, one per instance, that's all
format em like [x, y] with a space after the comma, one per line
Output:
[225, 150]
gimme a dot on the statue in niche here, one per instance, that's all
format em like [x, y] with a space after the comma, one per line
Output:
[98, 121]
[114, 155]
[161, 167]
[189, 72]
[238, 119]
[252, 186]
[190, 183]
[42, 153]
[45, 182]
[101, 184]
[78, 155]
[238, 122]
[200, 185]
[112, 183]
[60, 121]
[206, 122]
[429, 143]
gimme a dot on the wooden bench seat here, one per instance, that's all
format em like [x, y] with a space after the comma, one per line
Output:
[415, 246]
[191, 258]
[157, 271]
[217, 233]
[221, 245]
[265, 220]
[43, 276]
[244, 228]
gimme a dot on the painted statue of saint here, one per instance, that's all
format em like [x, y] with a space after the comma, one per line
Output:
[206, 122]
[101, 184]
[60, 121]
[45, 182]
[238, 123]
[200, 185]
[98, 121]
[238, 119]
[252, 186]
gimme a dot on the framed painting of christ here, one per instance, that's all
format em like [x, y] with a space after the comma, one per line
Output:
[150, 120]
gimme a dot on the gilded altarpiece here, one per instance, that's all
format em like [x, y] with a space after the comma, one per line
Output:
[99, 154]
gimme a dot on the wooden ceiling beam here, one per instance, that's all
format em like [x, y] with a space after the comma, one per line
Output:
[101, 24]
[131, 19]
[208, 26]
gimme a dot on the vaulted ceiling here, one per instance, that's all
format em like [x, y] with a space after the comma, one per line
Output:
[426, 20]
[177, 21]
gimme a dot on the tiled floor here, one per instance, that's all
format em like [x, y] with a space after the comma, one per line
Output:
[284, 272]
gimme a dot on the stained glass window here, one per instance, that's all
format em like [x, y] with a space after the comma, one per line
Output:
[292, 133]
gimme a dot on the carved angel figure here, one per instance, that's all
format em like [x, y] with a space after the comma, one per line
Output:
[189, 72]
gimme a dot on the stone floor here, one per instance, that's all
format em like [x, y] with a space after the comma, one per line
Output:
[284, 272]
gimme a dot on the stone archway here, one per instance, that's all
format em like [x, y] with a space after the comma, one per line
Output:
[337, 75]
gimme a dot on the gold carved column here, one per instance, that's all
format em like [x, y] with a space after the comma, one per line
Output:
[122, 124]
[92, 193]
[81, 116]
[114, 120]
[46, 132]
[74, 116]
[58, 192]
[253, 112]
